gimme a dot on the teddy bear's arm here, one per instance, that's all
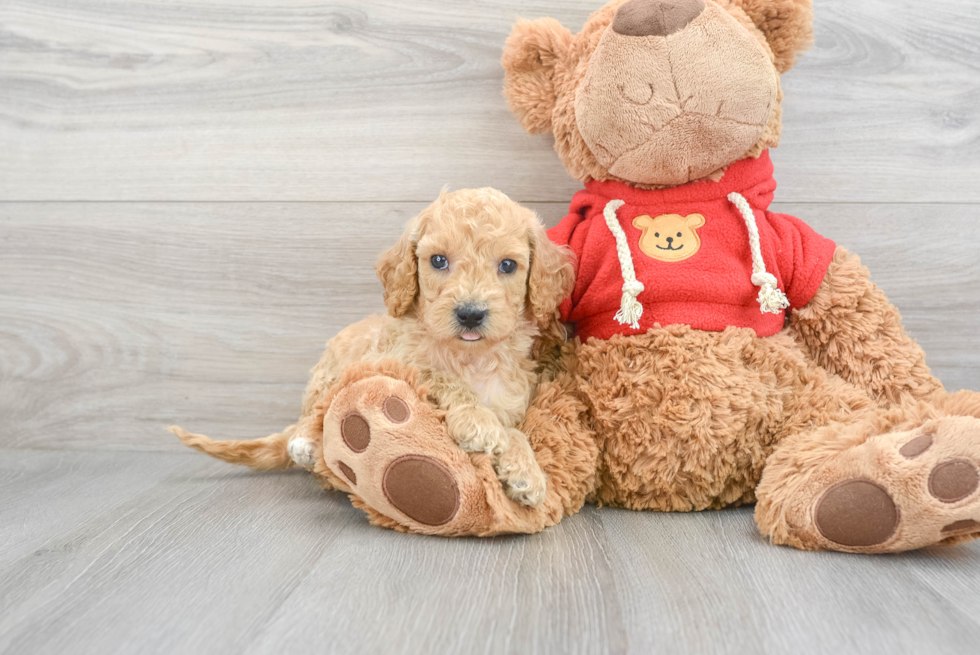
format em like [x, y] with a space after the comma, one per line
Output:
[850, 328]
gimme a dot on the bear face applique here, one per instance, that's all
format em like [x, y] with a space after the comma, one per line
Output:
[669, 237]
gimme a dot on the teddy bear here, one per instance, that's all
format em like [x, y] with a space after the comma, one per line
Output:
[718, 353]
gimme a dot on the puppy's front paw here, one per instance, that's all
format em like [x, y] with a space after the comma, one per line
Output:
[303, 452]
[527, 490]
[476, 430]
[523, 480]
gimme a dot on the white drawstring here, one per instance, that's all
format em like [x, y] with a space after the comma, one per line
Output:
[630, 309]
[771, 298]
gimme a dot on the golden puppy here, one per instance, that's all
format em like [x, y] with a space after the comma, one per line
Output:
[468, 287]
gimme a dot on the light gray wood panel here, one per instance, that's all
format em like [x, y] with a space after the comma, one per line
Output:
[117, 319]
[381, 100]
[196, 559]
[886, 106]
[203, 557]
[715, 571]
[40, 490]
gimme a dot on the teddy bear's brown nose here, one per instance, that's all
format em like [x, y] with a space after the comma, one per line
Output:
[655, 17]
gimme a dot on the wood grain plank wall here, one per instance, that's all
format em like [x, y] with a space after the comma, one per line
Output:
[192, 195]
[119, 318]
[377, 100]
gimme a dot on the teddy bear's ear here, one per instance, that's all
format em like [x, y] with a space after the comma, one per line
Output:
[786, 24]
[532, 51]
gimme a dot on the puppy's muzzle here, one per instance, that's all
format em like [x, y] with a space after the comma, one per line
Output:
[470, 316]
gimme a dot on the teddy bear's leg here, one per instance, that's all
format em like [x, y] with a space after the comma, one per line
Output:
[896, 479]
[386, 445]
[851, 329]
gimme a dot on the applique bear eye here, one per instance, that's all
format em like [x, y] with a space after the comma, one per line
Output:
[507, 266]
[439, 262]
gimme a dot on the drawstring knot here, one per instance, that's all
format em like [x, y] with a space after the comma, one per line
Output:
[771, 299]
[633, 288]
[630, 309]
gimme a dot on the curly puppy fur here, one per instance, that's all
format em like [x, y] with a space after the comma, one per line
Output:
[485, 385]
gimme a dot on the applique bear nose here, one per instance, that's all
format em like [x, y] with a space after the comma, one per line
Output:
[655, 17]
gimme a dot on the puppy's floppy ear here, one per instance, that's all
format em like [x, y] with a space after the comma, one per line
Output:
[551, 278]
[398, 270]
[786, 24]
[531, 53]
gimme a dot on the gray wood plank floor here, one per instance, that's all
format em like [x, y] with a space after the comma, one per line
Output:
[192, 196]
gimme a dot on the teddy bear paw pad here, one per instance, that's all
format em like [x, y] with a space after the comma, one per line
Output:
[856, 513]
[959, 527]
[356, 432]
[392, 450]
[348, 472]
[422, 488]
[954, 480]
[917, 488]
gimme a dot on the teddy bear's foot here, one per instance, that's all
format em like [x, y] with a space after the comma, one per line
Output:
[392, 450]
[893, 492]
[926, 493]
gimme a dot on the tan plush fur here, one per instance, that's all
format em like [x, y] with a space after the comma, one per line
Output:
[485, 386]
[851, 329]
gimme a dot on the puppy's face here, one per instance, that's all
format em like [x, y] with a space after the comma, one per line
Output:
[473, 272]
[476, 267]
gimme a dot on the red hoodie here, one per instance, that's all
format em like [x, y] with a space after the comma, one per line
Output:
[690, 249]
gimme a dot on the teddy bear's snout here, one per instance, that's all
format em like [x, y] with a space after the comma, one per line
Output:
[666, 110]
[655, 17]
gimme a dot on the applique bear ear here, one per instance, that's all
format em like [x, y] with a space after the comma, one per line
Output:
[532, 51]
[694, 220]
[786, 24]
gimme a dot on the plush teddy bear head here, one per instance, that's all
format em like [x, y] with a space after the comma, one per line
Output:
[657, 93]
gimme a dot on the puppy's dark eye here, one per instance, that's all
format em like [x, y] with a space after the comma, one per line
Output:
[439, 262]
[656, 234]
[507, 266]
[680, 234]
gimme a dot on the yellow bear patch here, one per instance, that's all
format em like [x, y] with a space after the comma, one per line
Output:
[669, 237]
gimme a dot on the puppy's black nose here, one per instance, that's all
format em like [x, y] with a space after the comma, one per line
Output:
[470, 316]
[670, 239]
